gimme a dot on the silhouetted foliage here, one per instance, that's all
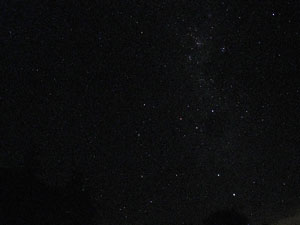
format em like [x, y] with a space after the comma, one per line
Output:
[25, 200]
[226, 217]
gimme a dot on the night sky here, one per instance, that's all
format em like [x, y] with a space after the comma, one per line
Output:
[169, 109]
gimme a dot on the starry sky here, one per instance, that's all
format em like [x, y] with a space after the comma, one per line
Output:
[171, 110]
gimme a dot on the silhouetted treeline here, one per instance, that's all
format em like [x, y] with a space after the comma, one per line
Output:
[26, 200]
[226, 217]
[223, 217]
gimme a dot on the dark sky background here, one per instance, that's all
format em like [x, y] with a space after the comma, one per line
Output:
[170, 109]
